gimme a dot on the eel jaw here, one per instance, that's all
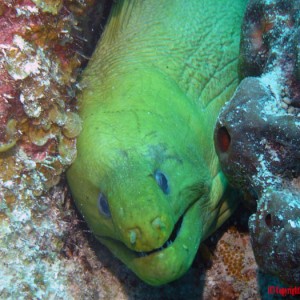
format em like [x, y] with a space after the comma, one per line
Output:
[173, 259]
[170, 261]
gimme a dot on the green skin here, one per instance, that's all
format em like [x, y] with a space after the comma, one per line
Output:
[153, 90]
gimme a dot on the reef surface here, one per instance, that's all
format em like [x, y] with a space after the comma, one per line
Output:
[41, 52]
[257, 136]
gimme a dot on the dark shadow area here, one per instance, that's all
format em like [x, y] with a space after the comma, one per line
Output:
[271, 288]
[190, 286]
[91, 26]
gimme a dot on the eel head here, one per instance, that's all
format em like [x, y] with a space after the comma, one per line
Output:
[142, 184]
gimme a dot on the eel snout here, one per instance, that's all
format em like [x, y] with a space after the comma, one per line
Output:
[144, 227]
[149, 235]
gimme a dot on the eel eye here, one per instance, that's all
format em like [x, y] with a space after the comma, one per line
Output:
[162, 181]
[103, 207]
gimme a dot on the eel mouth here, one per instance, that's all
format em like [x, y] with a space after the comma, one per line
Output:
[172, 259]
[181, 233]
[168, 243]
[139, 254]
[169, 261]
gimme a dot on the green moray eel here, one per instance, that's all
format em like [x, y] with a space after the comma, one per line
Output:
[147, 178]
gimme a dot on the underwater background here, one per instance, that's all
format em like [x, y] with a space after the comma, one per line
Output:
[46, 249]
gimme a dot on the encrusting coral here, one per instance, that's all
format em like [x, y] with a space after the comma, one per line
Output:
[38, 122]
[40, 55]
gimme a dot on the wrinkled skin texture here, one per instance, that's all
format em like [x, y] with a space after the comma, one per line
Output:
[257, 135]
[146, 158]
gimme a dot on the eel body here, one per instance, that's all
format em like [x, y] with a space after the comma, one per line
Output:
[147, 178]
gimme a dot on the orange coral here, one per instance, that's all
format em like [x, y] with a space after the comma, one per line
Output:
[231, 249]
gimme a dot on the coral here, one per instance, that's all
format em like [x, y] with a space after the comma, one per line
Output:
[259, 127]
[264, 147]
[30, 267]
[233, 271]
[257, 136]
[37, 97]
[275, 229]
[234, 255]
[39, 61]
[270, 48]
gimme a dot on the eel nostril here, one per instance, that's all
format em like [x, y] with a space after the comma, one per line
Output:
[223, 139]
[157, 223]
[132, 236]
